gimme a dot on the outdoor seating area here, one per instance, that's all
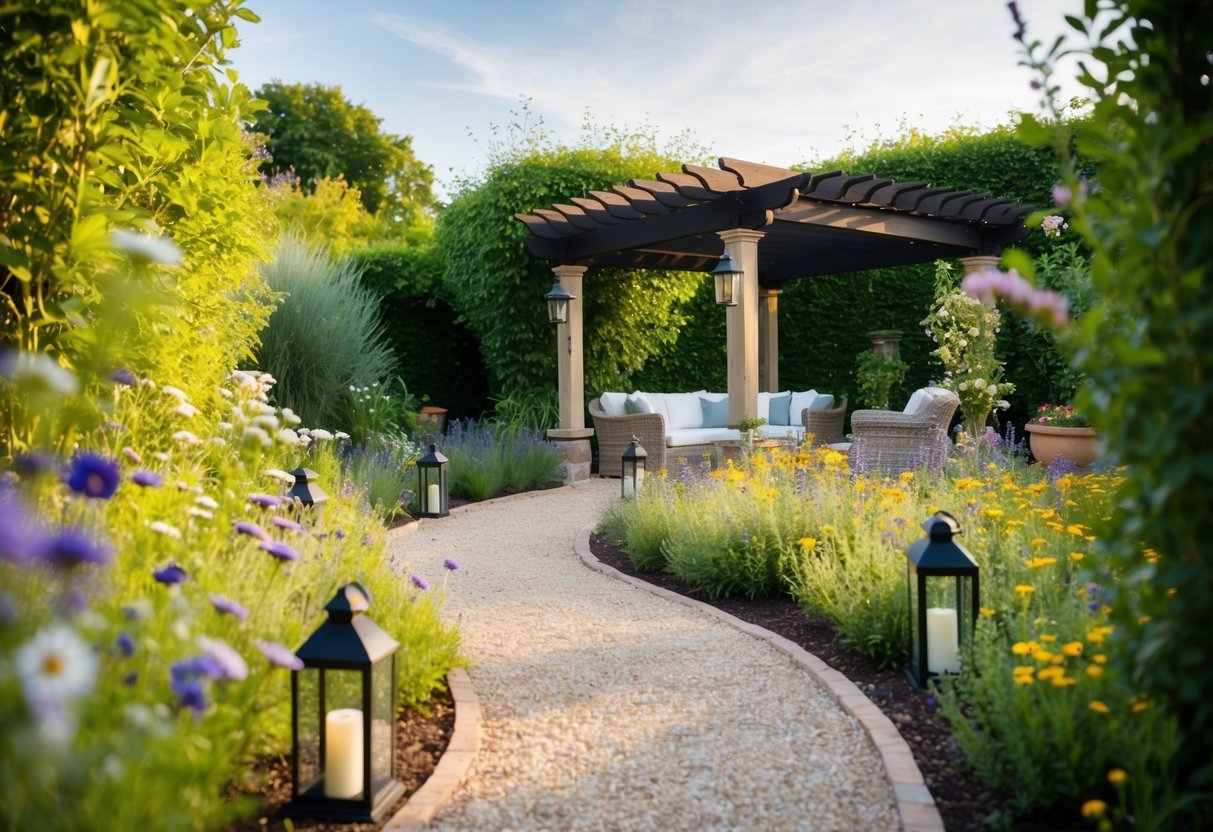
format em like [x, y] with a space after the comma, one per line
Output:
[889, 442]
[686, 425]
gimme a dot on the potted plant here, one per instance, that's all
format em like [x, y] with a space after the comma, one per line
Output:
[747, 426]
[1058, 430]
[876, 375]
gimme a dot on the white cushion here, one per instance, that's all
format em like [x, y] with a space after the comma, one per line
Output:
[801, 402]
[698, 436]
[612, 403]
[919, 400]
[683, 411]
[657, 400]
[764, 406]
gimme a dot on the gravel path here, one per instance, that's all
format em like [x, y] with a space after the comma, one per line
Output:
[605, 707]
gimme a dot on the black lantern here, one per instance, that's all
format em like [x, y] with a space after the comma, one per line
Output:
[558, 303]
[634, 459]
[941, 581]
[343, 725]
[431, 484]
[306, 492]
[728, 280]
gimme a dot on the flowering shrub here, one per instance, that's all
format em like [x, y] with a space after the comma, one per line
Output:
[1060, 416]
[1041, 710]
[965, 330]
[487, 459]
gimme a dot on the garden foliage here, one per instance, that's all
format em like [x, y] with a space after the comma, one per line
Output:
[498, 288]
[1141, 347]
[490, 459]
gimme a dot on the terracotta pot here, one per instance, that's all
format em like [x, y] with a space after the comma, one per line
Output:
[1078, 445]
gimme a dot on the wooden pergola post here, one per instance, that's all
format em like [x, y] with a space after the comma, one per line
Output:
[742, 325]
[572, 437]
[768, 336]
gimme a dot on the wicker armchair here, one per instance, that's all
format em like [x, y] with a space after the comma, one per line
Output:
[825, 425]
[615, 434]
[888, 442]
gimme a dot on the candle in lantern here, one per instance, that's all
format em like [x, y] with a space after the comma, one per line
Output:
[943, 649]
[343, 753]
[432, 503]
[628, 487]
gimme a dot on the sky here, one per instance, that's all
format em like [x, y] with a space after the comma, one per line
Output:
[779, 82]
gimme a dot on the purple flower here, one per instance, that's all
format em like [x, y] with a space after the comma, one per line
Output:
[447, 563]
[228, 606]
[280, 655]
[229, 664]
[125, 644]
[72, 547]
[339, 534]
[20, 538]
[195, 667]
[124, 376]
[146, 478]
[171, 574]
[419, 582]
[190, 695]
[251, 529]
[92, 475]
[286, 523]
[279, 550]
[130, 679]
[265, 500]
[33, 463]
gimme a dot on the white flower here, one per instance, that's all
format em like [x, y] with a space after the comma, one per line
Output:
[223, 391]
[321, 434]
[964, 342]
[289, 418]
[979, 383]
[55, 666]
[279, 474]
[261, 409]
[146, 248]
[161, 455]
[267, 422]
[186, 438]
[341, 435]
[231, 663]
[176, 392]
[963, 386]
[255, 435]
[186, 409]
[287, 437]
[224, 426]
[218, 440]
[992, 390]
[194, 511]
[39, 370]
[160, 527]
[206, 502]
[974, 332]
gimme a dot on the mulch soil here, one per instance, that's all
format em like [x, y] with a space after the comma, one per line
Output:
[421, 739]
[963, 800]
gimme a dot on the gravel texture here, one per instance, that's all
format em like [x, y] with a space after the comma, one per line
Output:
[605, 707]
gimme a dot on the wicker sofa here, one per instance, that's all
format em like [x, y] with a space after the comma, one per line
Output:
[889, 442]
[684, 425]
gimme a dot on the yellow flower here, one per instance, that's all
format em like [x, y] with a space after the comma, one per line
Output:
[906, 476]
[1023, 648]
[808, 543]
[1024, 589]
[1094, 670]
[1064, 681]
[1052, 672]
[1099, 707]
[1047, 637]
[986, 611]
[1023, 675]
[967, 482]
[826, 528]
[1076, 529]
[992, 513]
[1038, 541]
[1036, 563]
[1099, 658]
[1139, 706]
[1076, 556]
[1094, 808]
[1072, 649]
[1117, 776]
[1151, 555]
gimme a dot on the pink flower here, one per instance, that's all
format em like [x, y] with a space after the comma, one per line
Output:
[1061, 195]
[1043, 305]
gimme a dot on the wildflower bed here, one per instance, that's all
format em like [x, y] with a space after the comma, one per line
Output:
[1042, 712]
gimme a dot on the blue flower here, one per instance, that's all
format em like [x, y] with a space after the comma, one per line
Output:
[34, 463]
[92, 475]
[226, 605]
[124, 376]
[279, 550]
[20, 538]
[280, 655]
[146, 478]
[171, 574]
[125, 644]
[72, 547]
[190, 694]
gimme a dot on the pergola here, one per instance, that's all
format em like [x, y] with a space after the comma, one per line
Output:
[777, 225]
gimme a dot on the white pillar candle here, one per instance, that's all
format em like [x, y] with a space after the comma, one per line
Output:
[943, 648]
[432, 503]
[628, 486]
[343, 753]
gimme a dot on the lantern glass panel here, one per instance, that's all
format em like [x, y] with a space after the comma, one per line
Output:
[307, 713]
[343, 734]
[917, 644]
[382, 726]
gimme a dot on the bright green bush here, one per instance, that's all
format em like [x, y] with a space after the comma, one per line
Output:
[325, 338]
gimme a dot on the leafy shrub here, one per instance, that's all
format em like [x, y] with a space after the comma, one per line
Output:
[383, 470]
[324, 338]
[876, 376]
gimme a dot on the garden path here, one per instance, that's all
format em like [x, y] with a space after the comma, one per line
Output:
[606, 707]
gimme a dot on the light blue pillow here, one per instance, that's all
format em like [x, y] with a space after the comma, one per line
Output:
[715, 414]
[824, 401]
[637, 404]
[781, 403]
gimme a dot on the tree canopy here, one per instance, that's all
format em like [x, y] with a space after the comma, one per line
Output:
[316, 133]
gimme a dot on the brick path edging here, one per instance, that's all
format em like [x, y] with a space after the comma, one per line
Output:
[915, 805]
